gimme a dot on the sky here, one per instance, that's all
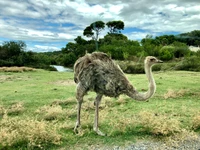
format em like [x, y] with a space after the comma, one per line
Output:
[48, 25]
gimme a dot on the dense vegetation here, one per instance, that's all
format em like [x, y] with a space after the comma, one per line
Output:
[114, 43]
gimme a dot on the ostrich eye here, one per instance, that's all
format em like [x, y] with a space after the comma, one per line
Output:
[152, 59]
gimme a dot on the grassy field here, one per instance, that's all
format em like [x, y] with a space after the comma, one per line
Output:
[38, 111]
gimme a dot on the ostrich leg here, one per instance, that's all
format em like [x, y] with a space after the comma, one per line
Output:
[80, 92]
[96, 119]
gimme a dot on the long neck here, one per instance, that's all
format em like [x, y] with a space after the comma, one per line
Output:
[151, 89]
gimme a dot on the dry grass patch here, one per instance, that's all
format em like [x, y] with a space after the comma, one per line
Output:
[16, 69]
[54, 112]
[168, 128]
[158, 124]
[15, 109]
[64, 82]
[122, 125]
[27, 132]
[185, 137]
[64, 102]
[174, 94]
[2, 110]
[196, 122]
[121, 100]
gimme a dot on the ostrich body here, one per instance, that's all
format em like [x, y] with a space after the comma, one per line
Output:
[97, 72]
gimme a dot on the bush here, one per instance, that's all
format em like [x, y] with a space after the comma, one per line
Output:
[166, 52]
[159, 124]
[189, 64]
[135, 68]
[30, 133]
[69, 59]
[196, 122]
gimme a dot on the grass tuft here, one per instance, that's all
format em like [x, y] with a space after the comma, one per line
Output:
[16, 108]
[185, 136]
[16, 69]
[196, 122]
[174, 94]
[2, 110]
[54, 112]
[158, 124]
[27, 132]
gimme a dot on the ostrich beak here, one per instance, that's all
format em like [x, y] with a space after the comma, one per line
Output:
[159, 61]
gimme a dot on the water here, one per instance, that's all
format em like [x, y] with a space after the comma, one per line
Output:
[62, 69]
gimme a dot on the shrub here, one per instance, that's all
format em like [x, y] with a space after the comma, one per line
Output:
[2, 110]
[28, 133]
[196, 122]
[189, 64]
[15, 108]
[134, 68]
[174, 94]
[16, 69]
[51, 112]
[69, 59]
[166, 53]
[158, 124]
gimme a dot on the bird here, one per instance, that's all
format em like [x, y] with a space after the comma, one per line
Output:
[99, 73]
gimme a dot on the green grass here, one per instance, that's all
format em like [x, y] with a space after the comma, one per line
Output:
[47, 99]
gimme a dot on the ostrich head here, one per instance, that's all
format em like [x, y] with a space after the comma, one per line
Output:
[150, 61]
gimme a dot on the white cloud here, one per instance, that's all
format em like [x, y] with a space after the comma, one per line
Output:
[63, 20]
[39, 48]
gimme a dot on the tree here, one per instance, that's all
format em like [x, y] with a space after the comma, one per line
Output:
[80, 40]
[96, 27]
[10, 53]
[115, 26]
[12, 49]
[165, 39]
[190, 38]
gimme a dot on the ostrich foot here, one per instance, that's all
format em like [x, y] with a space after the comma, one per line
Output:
[76, 128]
[99, 132]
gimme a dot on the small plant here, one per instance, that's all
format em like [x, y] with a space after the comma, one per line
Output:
[158, 124]
[51, 112]
[177, 139]
[190, 64]
[16, 69]
[174, 94]
[196, 122]
[16, 108]
[28, 133]
[2, 110]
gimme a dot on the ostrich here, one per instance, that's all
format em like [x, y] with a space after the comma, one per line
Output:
[97, 72]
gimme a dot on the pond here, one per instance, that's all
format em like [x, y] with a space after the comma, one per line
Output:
[62, 68]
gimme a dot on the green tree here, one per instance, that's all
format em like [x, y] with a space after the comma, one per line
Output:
[115, 26]
[165, 39]
[80, 40]
[96, 27]
[12, 49]
[166, 52]
[181, 49]
[190, 38]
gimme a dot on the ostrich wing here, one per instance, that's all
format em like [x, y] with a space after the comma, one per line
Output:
[104, 78]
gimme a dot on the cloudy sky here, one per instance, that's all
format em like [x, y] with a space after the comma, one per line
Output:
[48, 25]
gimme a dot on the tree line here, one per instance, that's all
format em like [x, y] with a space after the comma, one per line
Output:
[114, 43]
